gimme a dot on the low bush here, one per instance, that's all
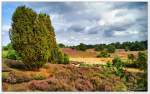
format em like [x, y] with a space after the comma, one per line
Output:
[111, 49]
[139, 62]
[15, 64]
[81, 47]
[65, 59]
[4, 54]
[142, 61]
[103, 54]
[38, 77]
[7, 47]
[13, 55]
[118, 66]
[109, 64]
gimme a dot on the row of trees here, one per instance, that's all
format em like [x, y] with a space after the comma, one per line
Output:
[33, 38]
[132, 46]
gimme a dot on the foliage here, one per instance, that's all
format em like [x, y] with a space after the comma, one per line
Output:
[5, 75]
[142, 61]
[58, 57]
[126, 48]
[4, 53]
[103, 54]
[66, 59]
[99, 47]
[38, 77]
[111, 49]
[33, 37]
[132, 46]
[131, 57]
[118, 66]
[8, 47]
[13, 55]
[61, 45]
[81, 47]
[109, 64]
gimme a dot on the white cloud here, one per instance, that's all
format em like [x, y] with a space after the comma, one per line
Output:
[126, 33]
[94, 22]
[119, 33]
[5, 28]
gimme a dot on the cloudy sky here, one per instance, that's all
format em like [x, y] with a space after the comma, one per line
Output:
[87, 22]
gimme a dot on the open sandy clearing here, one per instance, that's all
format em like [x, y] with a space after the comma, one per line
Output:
[92, 60]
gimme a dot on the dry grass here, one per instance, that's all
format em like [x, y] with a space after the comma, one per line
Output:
[92, 60]
[82, 54]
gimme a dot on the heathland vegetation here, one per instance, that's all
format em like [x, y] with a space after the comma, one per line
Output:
[34, 61]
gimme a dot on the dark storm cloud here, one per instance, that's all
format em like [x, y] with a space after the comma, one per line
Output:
[108, 31]
[94, 30]
[76, 28]
[131, 5]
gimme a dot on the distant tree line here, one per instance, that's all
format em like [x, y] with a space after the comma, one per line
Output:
[131, 46]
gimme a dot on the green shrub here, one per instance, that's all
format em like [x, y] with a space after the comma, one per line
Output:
[142, 61]
[118, 66]
[111, 49]
[39, 77]
[81, 47]
[13, 55]
[4, 53]
[66, 59]
[103, 54]
[109, 64]
[61, 45]
[8, 47]
[131, 58]
[99, 48]
[126, 49]
[58, 57]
